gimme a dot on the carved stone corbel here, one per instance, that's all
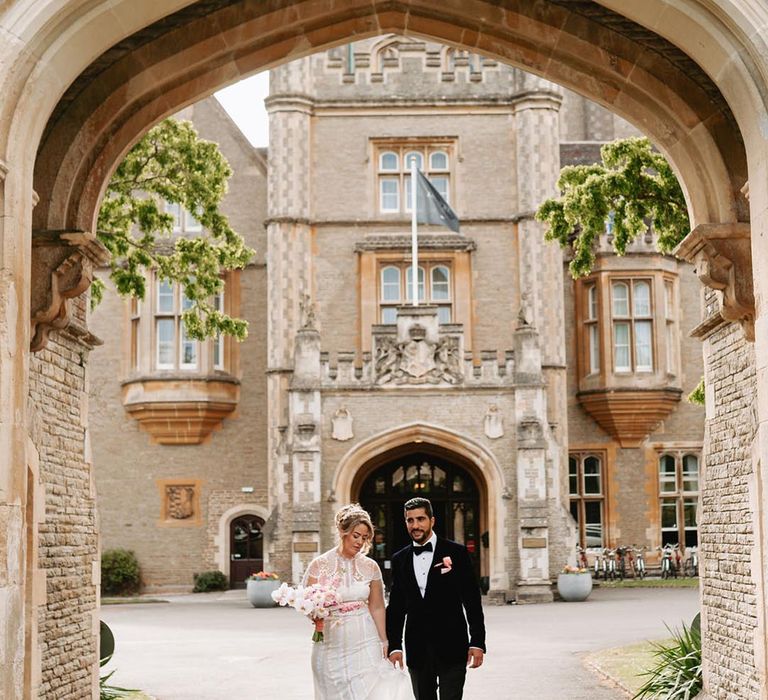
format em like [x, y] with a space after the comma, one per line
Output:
[62, 269]
[722, 256]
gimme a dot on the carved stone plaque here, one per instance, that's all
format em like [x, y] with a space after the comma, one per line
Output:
[179, 502]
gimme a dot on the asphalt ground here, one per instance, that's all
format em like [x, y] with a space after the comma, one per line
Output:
[217, 647]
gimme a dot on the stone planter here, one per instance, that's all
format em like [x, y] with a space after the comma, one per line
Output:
[260, 592]
[574, 587]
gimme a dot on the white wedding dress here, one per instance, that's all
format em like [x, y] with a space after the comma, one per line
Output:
[349, 664]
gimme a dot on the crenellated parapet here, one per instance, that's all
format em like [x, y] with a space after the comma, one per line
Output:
[343, 371]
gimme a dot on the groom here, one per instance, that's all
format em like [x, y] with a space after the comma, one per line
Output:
[433, 587]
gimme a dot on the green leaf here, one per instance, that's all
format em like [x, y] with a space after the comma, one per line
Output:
[634, 185]
[173, 164]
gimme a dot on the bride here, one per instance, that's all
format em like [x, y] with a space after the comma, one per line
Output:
[351, 663]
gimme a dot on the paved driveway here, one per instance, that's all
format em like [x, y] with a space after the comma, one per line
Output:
[216, 647]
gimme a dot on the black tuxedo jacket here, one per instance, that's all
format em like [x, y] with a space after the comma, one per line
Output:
[438, 619]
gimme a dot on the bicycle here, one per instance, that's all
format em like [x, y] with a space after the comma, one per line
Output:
[668, 566]
[621, 563]
[691, 563]
[609, 564]
[598, 563]
[638, 563]
[582, 557]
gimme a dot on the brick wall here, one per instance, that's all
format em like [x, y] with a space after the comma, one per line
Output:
[726, 518]
[68, 540]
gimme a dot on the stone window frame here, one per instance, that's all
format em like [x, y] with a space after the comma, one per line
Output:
[457, 252]
[681, 496]
[427, 296]
[632, 319]
[400, 173]
[664, 326]
[165, 519]
[580, 497]
[214, 355]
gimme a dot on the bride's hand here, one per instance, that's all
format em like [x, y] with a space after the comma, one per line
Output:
[384, 648]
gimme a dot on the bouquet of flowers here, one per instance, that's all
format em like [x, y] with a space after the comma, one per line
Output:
[316, 602]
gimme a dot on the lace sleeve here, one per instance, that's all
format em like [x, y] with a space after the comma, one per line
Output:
[371, 570]
[313, 571]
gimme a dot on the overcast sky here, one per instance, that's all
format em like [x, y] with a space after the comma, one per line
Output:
[244, 102]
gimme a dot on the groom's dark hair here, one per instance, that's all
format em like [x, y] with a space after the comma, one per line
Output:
[419, 502]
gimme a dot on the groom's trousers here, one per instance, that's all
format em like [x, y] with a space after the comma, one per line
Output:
[427, 679]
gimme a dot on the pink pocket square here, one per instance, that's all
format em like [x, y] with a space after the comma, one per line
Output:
[446, 564]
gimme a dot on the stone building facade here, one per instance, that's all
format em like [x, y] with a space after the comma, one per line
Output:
[80, 87]
[509, 395]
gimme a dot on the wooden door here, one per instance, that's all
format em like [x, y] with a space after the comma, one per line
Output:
[246, 549]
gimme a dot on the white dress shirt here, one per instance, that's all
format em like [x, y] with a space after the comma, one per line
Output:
[422, 563]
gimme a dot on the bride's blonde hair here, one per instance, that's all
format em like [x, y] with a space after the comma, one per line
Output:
[349, 517]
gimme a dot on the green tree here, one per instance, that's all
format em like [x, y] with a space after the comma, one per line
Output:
[173, 164]
[634, 185]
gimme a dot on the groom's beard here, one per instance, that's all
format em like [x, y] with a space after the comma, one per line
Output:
[420, 536]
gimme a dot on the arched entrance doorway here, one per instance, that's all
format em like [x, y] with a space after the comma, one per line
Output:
[246, 547]
[456, 494]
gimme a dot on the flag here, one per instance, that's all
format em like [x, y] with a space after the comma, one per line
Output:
[431, 208]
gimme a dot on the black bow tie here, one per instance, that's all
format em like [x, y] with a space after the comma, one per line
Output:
[425, 548]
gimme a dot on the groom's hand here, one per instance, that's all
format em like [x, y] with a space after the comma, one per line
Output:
[396, 659]
[474, 658]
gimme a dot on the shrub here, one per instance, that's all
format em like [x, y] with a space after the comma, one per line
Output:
[210, 581]
[119, 572]
[677, 673]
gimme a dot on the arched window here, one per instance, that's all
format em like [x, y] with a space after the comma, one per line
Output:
[414, 157]
[438, 160]
[389, 161]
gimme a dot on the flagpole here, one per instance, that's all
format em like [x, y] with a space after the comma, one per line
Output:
[414, 239]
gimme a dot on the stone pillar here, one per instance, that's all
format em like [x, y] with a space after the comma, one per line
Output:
[533, 539]
[305, 419]
[16, 202]
[289, 267]
[540, 271]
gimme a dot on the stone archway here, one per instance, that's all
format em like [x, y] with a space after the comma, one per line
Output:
[80, 85]
[369, 454]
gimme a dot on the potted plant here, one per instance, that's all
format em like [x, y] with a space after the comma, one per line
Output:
[574, 584]
[259, 587]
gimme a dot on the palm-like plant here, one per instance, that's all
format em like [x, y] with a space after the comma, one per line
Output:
[677, 673]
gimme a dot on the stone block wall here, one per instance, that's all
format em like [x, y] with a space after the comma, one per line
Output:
[727, 538]
[68, 538]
